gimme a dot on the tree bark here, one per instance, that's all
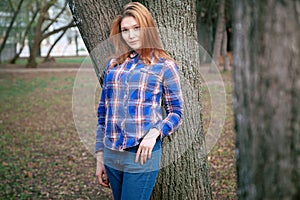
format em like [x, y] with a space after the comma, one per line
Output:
[267, 98]
[187, 175]
[219, 32]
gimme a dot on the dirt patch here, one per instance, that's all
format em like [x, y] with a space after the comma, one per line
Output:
[42, 156]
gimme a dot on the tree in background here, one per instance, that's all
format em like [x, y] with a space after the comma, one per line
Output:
[206, 20]
[27, 19]
[219, 32]
[187, 177]
[33, 20]
[267, 98]
[15, 12]
[213, 19]
[220, 43]
[41, 29]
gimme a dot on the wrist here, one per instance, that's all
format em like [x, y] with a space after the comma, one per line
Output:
[99, 155]
[153, 133]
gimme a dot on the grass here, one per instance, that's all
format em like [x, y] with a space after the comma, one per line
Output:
[41, 156]
[70, 59]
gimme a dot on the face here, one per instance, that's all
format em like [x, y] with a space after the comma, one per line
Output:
[130, 30]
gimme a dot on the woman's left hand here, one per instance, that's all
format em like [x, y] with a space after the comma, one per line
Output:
[145, 149]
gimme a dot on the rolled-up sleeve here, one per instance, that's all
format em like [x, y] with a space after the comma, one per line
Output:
[173, 100]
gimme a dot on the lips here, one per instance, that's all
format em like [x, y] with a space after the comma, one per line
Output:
[133, 42]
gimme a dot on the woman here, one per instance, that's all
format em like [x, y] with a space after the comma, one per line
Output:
[137, 79]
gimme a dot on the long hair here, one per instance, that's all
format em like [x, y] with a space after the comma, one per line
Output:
[151, 45]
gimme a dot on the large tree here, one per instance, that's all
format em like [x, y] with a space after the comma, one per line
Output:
[184, 176]
[267, 98]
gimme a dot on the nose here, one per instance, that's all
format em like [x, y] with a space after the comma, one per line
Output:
[131, 33]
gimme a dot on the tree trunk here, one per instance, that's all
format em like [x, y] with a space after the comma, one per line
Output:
[40, 34]
[267, 98]
[219, 32]
[178, 25]
[27, 30]
[185, 175]
[224, 51]
[31, 62]
[37, 36]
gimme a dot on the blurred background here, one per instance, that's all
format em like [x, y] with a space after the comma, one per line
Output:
[45, 29]
[33, 30]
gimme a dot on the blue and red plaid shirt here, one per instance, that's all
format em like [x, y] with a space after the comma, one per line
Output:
[131, 99]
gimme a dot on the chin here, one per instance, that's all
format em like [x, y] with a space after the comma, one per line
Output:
[135, 47]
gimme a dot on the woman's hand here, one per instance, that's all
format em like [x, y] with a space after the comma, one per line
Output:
[100, 170]
[145, 149]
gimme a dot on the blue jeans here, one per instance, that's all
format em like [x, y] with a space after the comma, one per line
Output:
[130, 180]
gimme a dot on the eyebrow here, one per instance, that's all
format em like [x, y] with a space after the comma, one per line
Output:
[126, 27]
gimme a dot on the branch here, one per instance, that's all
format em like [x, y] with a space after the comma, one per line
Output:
[10, 25]
[41, 19]
[55, 18]
[71, 24]
[24, 36]
[44, 11]
[55, 42]
[12, 6]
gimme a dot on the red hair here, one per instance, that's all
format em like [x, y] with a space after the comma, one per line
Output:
[151, 45]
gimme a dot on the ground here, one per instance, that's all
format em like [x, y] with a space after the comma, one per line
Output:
[41, 155]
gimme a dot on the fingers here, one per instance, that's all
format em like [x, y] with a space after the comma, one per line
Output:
[143, 153]
[103, 181]
[101, 175]
[143, 156]
[138, 154]
[149, 153]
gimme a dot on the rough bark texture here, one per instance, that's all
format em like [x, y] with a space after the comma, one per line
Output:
[186, 174]
[267, 98]
[187, 177]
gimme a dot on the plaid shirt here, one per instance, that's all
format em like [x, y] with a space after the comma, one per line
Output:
[130, 103]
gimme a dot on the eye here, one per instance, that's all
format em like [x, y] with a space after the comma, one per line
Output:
[124, 30]
[136, 28]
